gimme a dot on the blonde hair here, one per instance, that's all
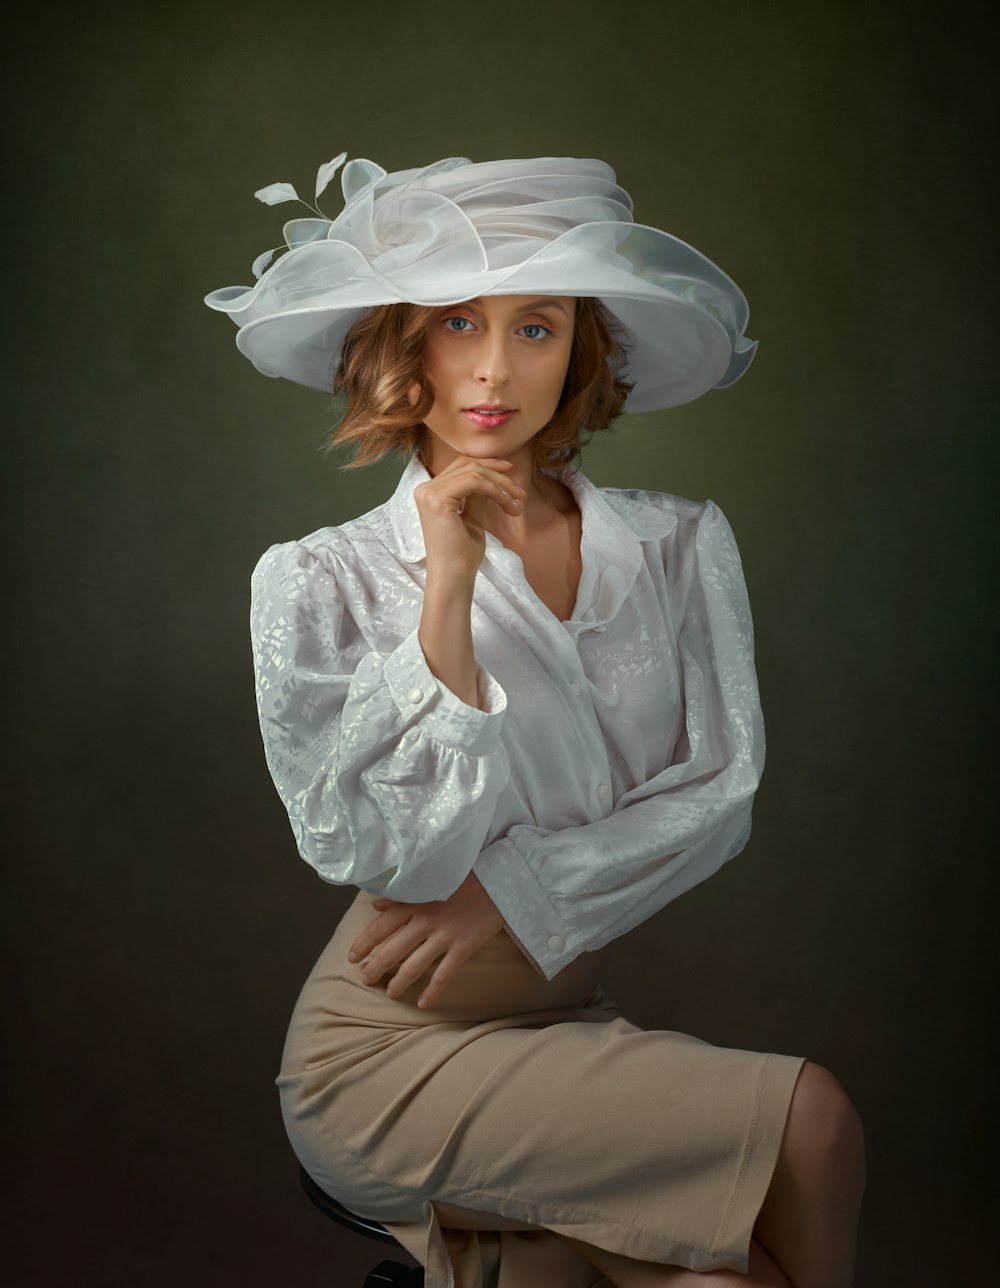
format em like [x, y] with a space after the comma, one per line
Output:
[382, 359]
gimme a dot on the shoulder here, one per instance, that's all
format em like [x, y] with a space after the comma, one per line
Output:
[336, 550]
[689, 535]
[656, 514]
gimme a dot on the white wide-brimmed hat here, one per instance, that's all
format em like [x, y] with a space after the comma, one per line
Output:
[455, 230]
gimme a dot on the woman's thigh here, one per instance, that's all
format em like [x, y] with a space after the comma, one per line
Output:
[625, 1270]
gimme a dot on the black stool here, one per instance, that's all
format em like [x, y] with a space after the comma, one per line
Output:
[387, 1274]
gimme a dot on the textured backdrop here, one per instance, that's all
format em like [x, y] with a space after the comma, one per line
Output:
[835, 159]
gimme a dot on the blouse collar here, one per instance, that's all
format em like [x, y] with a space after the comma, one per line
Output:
[613, 529]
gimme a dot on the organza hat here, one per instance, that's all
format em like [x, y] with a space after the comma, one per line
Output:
[455, 230]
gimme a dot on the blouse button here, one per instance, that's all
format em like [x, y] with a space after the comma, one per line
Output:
[415, 695]
[556, 942]
[602, 791]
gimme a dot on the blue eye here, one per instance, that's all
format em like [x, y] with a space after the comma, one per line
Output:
[456, 318]
[536, 326]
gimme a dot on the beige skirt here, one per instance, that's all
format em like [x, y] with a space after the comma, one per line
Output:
[533, 1101]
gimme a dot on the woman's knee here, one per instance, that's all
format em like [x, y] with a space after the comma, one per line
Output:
[824, 1125]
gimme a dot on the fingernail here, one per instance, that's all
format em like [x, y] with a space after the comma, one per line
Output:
[423, 1001]
[352, 957]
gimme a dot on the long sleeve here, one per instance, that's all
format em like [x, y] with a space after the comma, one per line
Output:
[389, 779]
[573, 890]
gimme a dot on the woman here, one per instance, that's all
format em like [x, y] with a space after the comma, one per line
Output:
[519, 713]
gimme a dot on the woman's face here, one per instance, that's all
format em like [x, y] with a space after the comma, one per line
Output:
[508, 353]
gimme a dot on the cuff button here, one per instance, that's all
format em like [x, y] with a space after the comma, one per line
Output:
[415, 695]
[556, 943]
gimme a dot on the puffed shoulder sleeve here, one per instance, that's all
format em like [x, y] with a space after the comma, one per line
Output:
[390, 780]
[573, 890]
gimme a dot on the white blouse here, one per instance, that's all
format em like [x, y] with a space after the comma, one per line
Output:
[615, 760]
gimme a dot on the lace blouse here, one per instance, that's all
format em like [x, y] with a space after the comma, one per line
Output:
[614, 761]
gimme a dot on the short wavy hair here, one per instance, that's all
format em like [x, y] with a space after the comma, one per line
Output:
[382, 358]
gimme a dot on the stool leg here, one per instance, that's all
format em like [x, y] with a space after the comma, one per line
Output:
[393, 1274]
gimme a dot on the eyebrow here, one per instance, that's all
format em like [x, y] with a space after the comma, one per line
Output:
[535, 304]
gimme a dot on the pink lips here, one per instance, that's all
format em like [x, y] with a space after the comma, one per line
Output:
[490, 420]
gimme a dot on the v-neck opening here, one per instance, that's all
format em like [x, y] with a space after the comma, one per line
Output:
[575, 617]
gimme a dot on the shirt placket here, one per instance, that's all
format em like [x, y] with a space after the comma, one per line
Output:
[562, 640]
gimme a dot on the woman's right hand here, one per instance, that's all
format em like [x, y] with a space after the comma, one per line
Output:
[451, 507]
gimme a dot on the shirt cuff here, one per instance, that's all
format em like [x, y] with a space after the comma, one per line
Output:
[417, 692]
[531, 918]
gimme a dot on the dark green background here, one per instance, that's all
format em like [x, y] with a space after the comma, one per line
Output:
[836, 160]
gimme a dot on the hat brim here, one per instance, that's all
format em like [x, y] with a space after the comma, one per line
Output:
[682, 316]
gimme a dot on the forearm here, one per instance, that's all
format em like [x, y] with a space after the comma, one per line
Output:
[578, 889]
[445, 635]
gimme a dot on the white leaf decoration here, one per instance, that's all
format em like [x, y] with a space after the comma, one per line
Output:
[326, 172]
[275, 193]
[261, 262]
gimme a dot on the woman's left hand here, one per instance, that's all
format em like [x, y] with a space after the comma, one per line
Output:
[413, 936]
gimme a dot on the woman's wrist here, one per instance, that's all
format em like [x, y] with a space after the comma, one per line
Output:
[445, 635]
[450, 585]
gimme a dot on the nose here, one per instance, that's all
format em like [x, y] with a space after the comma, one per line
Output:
[493, 360]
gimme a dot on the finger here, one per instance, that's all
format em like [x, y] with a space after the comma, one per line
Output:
[501, 477]
[416, 965]
[491, 461]
[485, 472]
[439, 980]
[474, 493]
[375, 932]
[476, 475]
[391, 953]
[480, 484]
[488, 490]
